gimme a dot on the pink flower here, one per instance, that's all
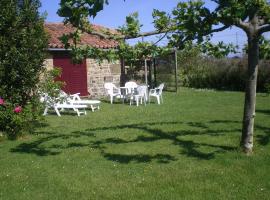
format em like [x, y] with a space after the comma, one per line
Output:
[18, 109]
[2, 102]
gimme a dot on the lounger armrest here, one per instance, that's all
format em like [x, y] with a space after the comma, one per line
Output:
[75, 96]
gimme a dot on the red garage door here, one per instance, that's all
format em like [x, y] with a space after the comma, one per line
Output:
[74, 75]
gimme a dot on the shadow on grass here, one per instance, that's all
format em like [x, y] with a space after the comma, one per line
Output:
[187, 147]
[266, 112]
[263, 139]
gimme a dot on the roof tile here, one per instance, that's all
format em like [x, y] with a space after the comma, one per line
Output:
[56, 30]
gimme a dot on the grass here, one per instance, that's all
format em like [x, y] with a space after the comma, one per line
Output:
[186, 148]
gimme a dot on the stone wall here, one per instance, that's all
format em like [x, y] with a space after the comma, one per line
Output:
[100, 73]
[48, 63]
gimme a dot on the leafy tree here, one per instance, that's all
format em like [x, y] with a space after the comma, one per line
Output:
[192, 20]
[23, 44]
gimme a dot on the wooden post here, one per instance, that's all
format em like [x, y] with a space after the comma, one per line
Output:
[123, 73]
[151, 73]
[155, 73]
[145, 72]
[176, 70]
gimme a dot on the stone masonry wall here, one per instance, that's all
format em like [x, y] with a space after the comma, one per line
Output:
[98, 74]
[48, 63]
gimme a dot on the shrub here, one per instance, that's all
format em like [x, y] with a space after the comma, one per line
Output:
[15, 120]
[197, 71]
[23, 45]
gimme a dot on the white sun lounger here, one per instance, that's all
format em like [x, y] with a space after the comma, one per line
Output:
[63, 106]
[76, 100]
[58, 104]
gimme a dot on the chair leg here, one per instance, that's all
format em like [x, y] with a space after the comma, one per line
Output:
[158, 100]
[144, 100]
[130, 101]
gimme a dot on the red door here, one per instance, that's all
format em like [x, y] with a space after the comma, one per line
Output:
[74, 75]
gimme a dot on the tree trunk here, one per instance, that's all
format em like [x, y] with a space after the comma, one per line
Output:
[250, 96]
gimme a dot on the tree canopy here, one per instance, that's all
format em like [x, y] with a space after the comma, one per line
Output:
[23, 44]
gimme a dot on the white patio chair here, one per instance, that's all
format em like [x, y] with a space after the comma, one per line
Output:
[112, 91]
[140, 95]
[131, 86]
[157, 92]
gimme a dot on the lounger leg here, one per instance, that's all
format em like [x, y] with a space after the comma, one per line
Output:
[45, 111]
[57, 112]
[111, 99]
[92, 108]
[78, 112]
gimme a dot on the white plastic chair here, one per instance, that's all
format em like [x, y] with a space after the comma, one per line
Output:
[157, 92]
[140, 95]
[112, 91]
[131, 86]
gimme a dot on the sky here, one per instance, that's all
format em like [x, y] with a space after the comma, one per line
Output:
[114, 15]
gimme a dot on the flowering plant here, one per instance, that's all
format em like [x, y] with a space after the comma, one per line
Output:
[13, 119]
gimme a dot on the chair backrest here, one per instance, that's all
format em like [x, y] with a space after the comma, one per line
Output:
[131, 86]
[160, 88]
[109, 88]
[142, 90]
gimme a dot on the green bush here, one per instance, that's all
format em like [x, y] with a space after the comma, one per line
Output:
[15, 120]
[197, 71]
[23, 46]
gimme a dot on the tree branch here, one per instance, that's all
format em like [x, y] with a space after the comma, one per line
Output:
[264, 28]
[243, 25]
[161, 38]
[217, 29]
[117, 35]
[145, 34]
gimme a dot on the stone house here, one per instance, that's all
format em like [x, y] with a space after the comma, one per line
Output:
[87, 78]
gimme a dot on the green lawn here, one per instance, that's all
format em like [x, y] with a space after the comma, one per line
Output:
[186, 148]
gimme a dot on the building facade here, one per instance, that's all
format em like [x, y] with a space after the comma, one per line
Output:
[87, 78]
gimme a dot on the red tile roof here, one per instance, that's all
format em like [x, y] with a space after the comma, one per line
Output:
[56, 30]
